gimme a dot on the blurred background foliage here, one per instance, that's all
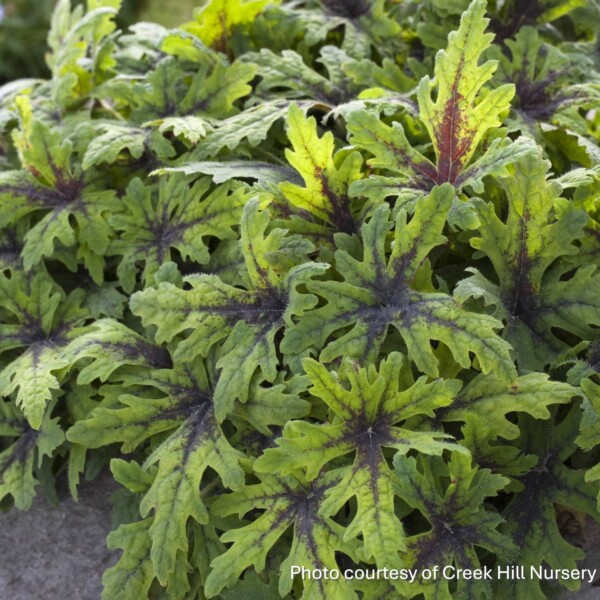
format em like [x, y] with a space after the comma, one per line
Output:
[24, 26]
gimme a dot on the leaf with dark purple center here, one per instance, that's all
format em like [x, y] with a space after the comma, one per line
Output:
[366, 25]
[67, 205]
[42, 322]
[284, 502]
[365, 419]
[184, 407]
[531, 515]
[458, 518]
[527, 251]
[552, 86]
[172, 216]
[380, 291]
[21, 460]
[325, 190]
[242, 323]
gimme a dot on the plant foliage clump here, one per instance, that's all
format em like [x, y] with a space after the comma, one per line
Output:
[320, 281]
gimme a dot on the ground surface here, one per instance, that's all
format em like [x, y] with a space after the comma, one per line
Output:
[59, 553]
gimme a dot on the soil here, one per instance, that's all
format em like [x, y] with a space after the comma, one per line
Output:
[58, 552]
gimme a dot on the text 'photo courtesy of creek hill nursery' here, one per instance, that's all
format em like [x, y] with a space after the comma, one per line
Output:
[314, 285]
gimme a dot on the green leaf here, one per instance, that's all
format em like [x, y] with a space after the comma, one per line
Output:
[379, 291]
[288, 76]
[42, 322]
[531, 518]
[252, 586]
[488, 401]
[242, 323]
[20, 462]
[325, 193]
[463, 113]
[531, 295]
[172, 216]
[253, 125]
[285, 502]
[223, 171]
[106, 147]
[133, 574]
[589, 436]
[458, 517]
[365, 421]
[190, 128]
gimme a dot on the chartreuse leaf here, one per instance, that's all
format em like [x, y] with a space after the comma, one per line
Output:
[110, 345]
[379, 291]
[283, 502]
[169, 100]
[487, 401]
[172, 216]
[551, 85]
[325, 190]
[70, 203]
[133, 574]
[589, 436]
[183, 407]
[366, 24]
[41, 321]
[461, 115]
[22, 459]
[459, 118]
[459, 520]
[528, 287]
[215, 21]
[242, 323]
[365, 419]
[81, 46]
[530, 518]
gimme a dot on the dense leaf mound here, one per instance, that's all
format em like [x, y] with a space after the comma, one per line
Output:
[320, 280]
